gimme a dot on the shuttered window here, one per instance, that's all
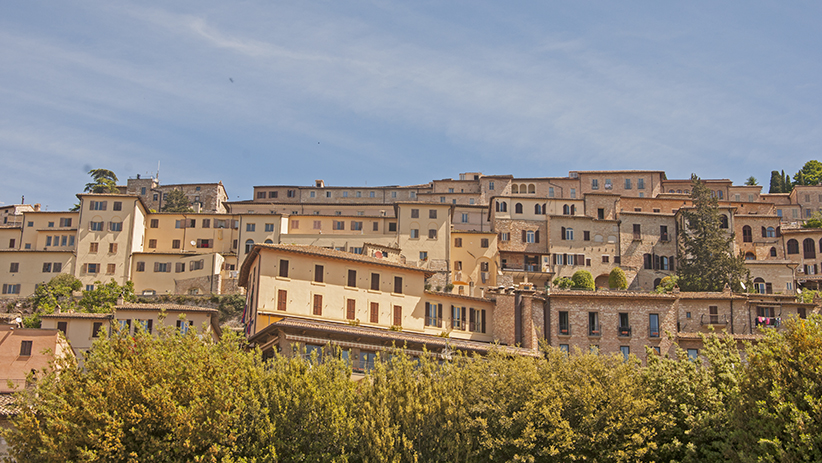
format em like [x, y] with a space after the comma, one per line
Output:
[350, 309]
[318, 304]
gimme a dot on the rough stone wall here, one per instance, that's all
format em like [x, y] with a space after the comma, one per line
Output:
[504, 320]
[633, 250]
[515, 229]
[203, 285]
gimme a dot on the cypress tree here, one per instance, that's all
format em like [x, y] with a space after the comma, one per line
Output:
[706, 262]
[776, 182]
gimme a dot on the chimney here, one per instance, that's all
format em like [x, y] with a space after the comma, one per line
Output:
[37, 207]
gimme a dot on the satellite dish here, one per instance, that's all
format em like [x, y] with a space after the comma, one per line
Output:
[743, 285]
[193, 243]
[798, 291]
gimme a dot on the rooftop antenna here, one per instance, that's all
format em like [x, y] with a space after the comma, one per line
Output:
[158, 171]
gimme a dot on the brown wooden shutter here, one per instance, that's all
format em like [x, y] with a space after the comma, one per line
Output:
[397, 315]
[156, 266]
[536, 236]
[318, 304]
[439, 315]
[375, 312]
[524, 236]
[282, 296]
[351, 309]
[562, 233]
[483, 321]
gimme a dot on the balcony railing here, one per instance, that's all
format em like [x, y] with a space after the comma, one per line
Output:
[433, 321]
[713, 319]
[564, 330]
[623, 330]
[653, 331]
[594, 330]
[772, 322]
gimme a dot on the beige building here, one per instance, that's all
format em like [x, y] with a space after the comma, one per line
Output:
[25, 351]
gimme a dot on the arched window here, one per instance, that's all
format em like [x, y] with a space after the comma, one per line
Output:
[773, 252]
[269, 242]
[793, 246]
[515, 189]
[809, 249]
[503, 206]
[573, 209]
[657, 282]
[248, 245]
[538, 209]
[670, 191]
[518, 208]
[565, 209]
[720, 193]
[523, 189]
[750, 256]
[532, 189]
[770, 232]
[759, 285]
[747, 234]
[723, 221]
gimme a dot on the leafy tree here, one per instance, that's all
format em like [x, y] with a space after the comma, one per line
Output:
[779, 418]
[810, 174]
[667, 284]
[617, 279]
[176, 201]
[103, 297]
[583, 280]
[564, 283]
[787, 186]
[103, 181]
[814, 222]
[751, 181]
[52, 296]
[704, 250]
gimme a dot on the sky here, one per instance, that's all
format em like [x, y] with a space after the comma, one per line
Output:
[397, 93]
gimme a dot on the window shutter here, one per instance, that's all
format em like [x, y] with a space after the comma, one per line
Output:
[85, 268]
[439, 315]
[656, 262]
[671, 263]
[562, 236]
[524, 237]
[536, 236]
[580, 259]
[764, 232]
[483, 321]
[462, 318]
[168, 267]
[555, 258]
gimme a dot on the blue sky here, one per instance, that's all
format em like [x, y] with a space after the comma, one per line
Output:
[385, 93]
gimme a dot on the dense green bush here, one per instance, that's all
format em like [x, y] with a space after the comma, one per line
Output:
[617, 279]
[176, 397]
[583, 280]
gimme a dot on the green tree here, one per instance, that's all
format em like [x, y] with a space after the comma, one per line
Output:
[583, 280]
[52, 296]
[103, 181]
[777, 182]
[810, 174]
[787, 186]
[103, 297]
[176, 201]
[704, 250]
[617, 279]
[564, 283]
[779, 418]
[667, 284]
[751, 181]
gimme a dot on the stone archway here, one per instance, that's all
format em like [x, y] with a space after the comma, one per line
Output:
[601, 281]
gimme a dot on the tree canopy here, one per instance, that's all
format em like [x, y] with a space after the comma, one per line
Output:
[809, 174]
[705, 259]
[617, 279]
[176, 201]
[103, 181]
[751, 181]
[58, 294]
[583, 280]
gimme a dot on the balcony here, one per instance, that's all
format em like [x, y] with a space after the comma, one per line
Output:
[663, 237]
[624, 331]
[713, 319]
[768, 322]
[594, 330]
[653, 331]
[433, 321]
[564, 330]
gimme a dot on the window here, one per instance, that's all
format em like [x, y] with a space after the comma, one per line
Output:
[250, 227]
[793, 246]
[398, 285]
[504, 236]
[312, 194]
[423, 255]
[65, 222]
[693, 354]
[111, 268]
[569, 233]
[663, 232]
[184, 325]
[392, 226]
[593, 324]
[375, 281]
[11, 289]
[564, 324]
[118, 206]
[141, 266]
[626, 352]
[586, 235]
[112, 248]
[640, 184]
[484, 242]
[723, 221]
[146, 325]
[339, 225]
[11, 243]
[601, 213]
[97, 205]
[457, 242]
[374, 316]
[637, 232]
[282, 299]
[272, 194]
[14, 267]
[179, 224]
[747, 234]
[356, 226]
[415, 213]
[415, 233]
[608, 184]
[57, 267]
[62, 326]
[291, 193]
[605, 258]
[93, 247]
[96, 226]
[196, 265]
[518, 208]
[175, 244]
[433, 314]
[464, 218]
[261, 195]
[25, 348]
[95, 329]
[202, 243]
[375, 226]
[162, 267]
[318, 273]
[773, 252]
[318, 304]
[458, 317]
[594, 184]
[432, 234]
[283, 269]
[350, 309]
[573, 193]
[152, 244]
[809, 248]
[550, 192]
[249, 244]
[476, 320]
[457, 265]
[653, 325]
[352, 278]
